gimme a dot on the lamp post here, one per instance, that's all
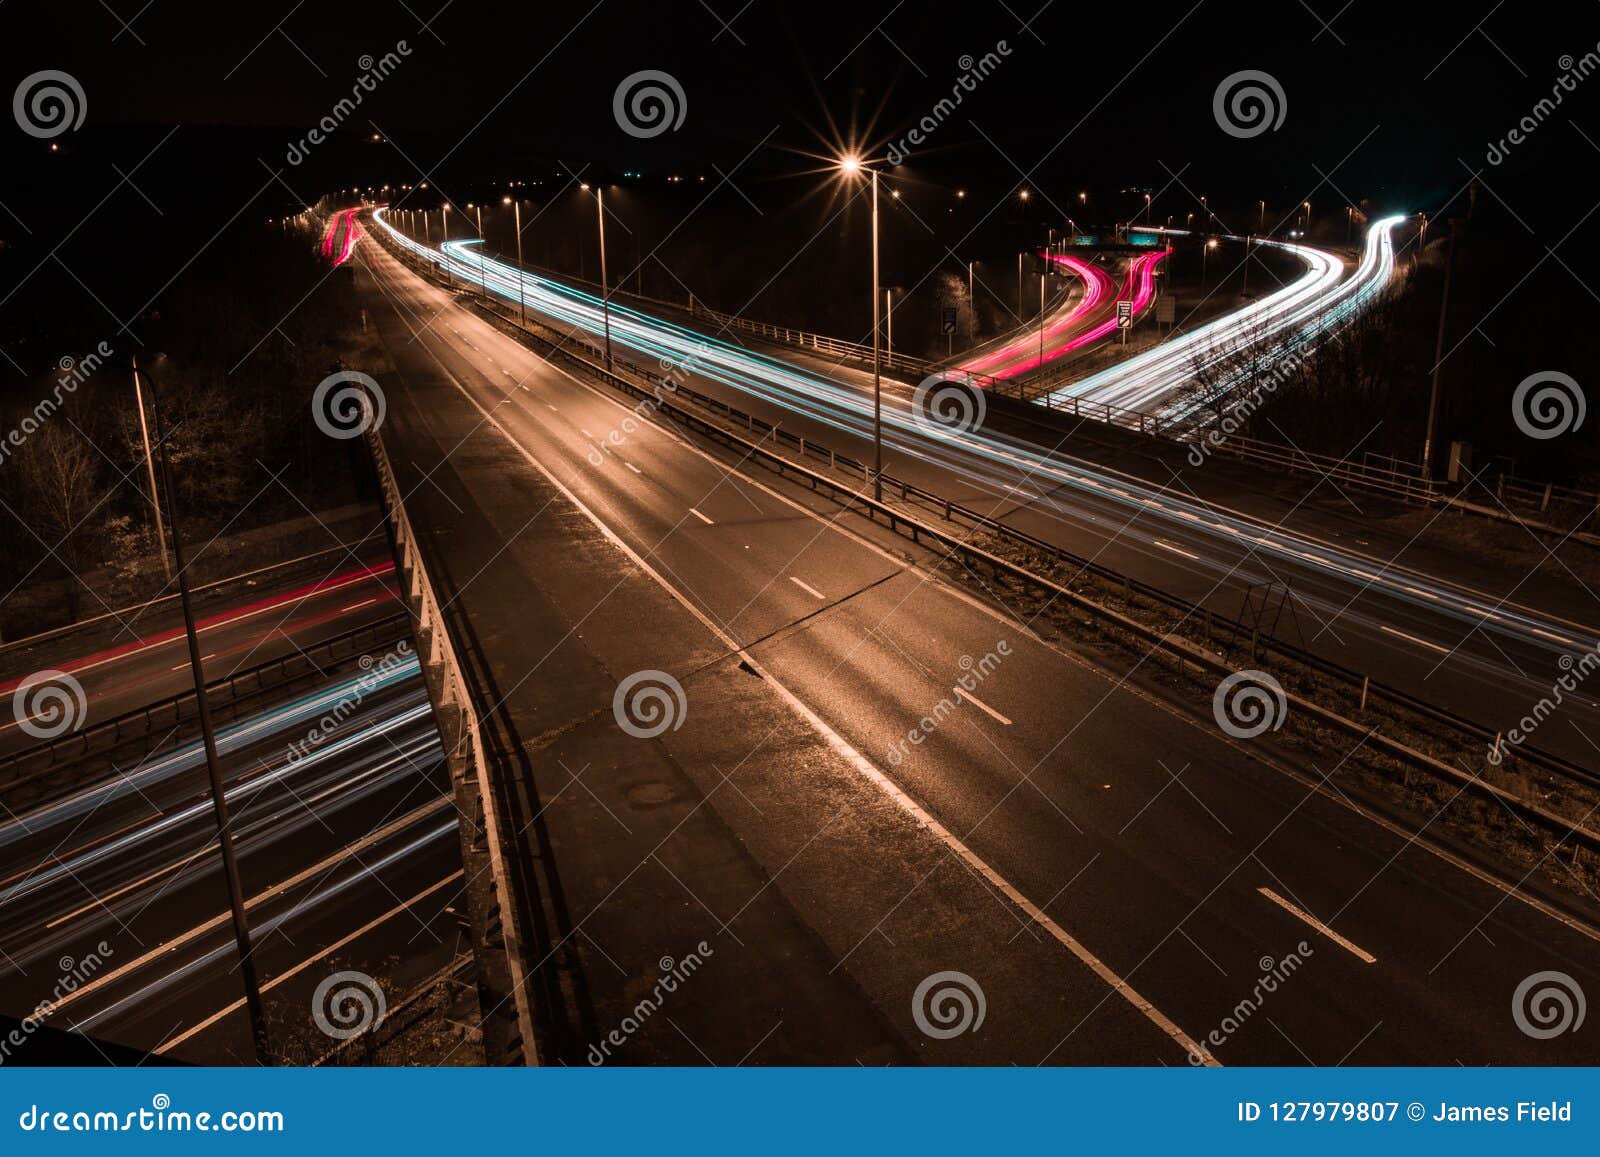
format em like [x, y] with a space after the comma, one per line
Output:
[219, 799]
[1438, 356]
[150, 468]
[849, 166]
[1204, 253]
[444, 235]
[516, 214]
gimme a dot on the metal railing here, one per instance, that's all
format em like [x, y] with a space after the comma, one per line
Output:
[1459, 731]
[29, 775]
[455, 697]
[1373, 472]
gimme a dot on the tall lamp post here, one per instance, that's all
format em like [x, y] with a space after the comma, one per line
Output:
[851, 165]
[516, 214]
[219, 800]
[150, 467]
[605, 293]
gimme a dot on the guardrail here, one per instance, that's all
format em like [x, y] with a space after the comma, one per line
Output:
[1373, 472]
[643, 384]
[456, 699]
[30, 775]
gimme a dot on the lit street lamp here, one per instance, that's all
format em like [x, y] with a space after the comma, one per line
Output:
[516, 214]
[851, 165]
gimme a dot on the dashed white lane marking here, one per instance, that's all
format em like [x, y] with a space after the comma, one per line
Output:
[1176, 549]
[631, 466]
[981, 705]
[1419, 642]
[586, 433]
[701, 517]
[807, 587]
[552, 407]
[1116, 983]
[357, 606]
[1359, 953]
[185, 663]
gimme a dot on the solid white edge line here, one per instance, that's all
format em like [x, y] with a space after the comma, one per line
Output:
[1358, 952]
[864, 766]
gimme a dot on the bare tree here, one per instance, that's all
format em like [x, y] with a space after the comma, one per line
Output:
[58, 474]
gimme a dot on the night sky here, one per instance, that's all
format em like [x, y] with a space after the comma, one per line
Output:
[193, 113]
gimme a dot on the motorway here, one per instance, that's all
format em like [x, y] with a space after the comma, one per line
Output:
[1285, 321]
[836, 817]
[1475, 649]
[1084, 319]
[148, 659]
[118, 880]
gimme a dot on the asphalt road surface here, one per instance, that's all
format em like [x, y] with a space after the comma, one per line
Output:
[838, 819]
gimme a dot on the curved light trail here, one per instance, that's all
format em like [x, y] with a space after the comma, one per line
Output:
[1321, 299]
[997, 461]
